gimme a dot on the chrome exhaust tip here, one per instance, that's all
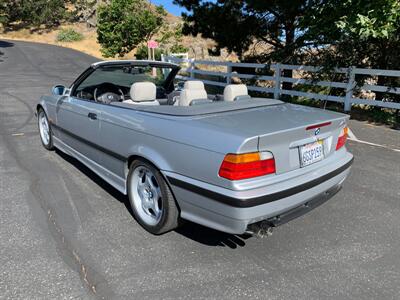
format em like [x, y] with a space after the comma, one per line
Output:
[260, 229]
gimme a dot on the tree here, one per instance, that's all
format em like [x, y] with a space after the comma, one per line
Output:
[237, 25]
[43, 12]
[171, 38]
[123, 24]
[367, 36]
[32, 13]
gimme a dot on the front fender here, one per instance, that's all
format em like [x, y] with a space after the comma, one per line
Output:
[48, 103]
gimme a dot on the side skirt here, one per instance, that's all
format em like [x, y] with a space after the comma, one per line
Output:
[111, 178]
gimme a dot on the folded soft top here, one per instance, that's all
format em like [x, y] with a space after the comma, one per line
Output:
[206, 108]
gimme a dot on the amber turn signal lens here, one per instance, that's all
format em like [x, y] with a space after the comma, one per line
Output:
[342, 138]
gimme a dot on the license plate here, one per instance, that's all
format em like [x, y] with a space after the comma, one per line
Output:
[311, 153]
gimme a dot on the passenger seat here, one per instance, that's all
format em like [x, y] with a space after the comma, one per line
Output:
[192, 90]
[143, 93]
[233, 92]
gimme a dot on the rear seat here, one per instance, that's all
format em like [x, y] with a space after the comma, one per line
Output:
[234, 92]
[192, 90]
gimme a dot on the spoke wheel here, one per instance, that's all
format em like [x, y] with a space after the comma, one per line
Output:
[146, 195]
[151, 199]
[45, 130]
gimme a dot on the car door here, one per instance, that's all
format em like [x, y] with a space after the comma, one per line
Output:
[78, 124]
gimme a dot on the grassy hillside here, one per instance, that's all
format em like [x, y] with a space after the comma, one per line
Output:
[198, 47]
[88, 45]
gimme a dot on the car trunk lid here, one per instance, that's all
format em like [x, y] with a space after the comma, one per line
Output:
[283, 130]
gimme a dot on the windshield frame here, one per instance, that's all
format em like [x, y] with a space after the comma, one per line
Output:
[168, 84]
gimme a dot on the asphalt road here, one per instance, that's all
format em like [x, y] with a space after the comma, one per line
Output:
[66, 234]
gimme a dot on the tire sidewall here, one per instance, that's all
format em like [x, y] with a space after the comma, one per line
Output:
[49, 146]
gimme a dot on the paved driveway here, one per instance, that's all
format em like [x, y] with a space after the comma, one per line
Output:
[66, 234]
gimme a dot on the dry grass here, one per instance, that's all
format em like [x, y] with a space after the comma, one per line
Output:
[88, 45]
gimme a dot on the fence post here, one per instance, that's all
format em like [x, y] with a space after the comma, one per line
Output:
[191, 67]
[351, 84]
[229, 73]
[277, 88]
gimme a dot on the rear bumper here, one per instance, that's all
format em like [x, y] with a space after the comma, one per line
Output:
[232, 211]
[305, 207]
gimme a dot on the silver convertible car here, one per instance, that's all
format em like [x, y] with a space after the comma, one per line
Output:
[230, 162]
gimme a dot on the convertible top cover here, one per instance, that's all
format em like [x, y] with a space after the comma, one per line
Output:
[202, 109]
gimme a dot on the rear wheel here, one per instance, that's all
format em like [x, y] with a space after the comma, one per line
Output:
[151, 199]
[45, 130]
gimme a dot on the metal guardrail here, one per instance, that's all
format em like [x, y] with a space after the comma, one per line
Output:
[348, 85]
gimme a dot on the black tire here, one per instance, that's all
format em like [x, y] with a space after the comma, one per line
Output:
[49, 145]
[169, 219]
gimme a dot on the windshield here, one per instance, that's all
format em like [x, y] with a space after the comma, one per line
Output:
[126, 76]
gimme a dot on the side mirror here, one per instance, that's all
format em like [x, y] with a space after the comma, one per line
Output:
[58, 90]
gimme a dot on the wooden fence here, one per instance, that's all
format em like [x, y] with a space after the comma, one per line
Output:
[348, 85]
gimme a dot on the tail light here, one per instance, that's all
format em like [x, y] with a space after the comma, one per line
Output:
[342, 138]
[248, 165]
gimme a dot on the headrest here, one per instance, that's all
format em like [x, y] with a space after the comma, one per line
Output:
[193, 85]
[187, 96]
[143, 91]
[232, 91]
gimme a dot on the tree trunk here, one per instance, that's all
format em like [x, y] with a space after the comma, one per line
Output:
[289, 54]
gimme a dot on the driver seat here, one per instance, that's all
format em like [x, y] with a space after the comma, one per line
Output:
[143, 93]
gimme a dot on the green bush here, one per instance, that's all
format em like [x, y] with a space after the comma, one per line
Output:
[69, 35]
[178, 48]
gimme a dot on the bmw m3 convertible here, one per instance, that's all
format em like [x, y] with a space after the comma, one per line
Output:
[231, 162]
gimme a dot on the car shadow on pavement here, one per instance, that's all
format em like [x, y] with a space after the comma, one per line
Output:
[4, 44]
[211, 237]
[95, 178]
[195, 232]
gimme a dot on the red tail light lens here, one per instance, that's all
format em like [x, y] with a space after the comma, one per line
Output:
[249, 165]
[342, 138]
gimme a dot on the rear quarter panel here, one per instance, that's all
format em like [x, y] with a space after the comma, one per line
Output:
[171, 144]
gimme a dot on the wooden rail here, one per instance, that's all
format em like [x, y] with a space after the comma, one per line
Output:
[348, 85]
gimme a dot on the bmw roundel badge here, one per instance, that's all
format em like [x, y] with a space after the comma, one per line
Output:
[316, 132]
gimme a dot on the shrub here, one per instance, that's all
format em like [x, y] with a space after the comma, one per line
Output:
[69, 35]
[178, 48]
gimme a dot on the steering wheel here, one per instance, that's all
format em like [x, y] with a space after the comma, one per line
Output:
[108, 92]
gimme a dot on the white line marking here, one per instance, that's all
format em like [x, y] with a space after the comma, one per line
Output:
[352, 137]
[373, 144]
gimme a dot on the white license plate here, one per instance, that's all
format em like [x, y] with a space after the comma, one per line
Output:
[311, 153]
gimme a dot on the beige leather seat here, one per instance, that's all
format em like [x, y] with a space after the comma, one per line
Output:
[143, 93]
[232, 91]
[192, 90]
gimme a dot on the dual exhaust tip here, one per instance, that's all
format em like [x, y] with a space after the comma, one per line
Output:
[260, 229]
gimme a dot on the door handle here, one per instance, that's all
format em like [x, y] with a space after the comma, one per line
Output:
[92, 116]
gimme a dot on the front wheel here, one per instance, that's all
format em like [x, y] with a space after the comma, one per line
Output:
[45, 130]
[151, 199]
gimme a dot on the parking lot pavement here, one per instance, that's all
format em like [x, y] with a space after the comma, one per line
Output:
[67, 234]
[379, 135]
